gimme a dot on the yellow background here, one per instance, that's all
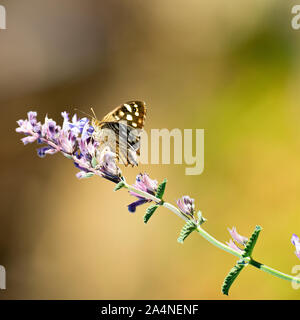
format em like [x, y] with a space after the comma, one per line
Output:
[229, 67]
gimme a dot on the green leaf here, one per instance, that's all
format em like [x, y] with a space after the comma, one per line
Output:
[201, 219]
[232, 275]
[68, 156]
[187, 229]
[161, 189]
[251, 242]
[119, 186]
[94, 162]
[87, 175]
[149, 212]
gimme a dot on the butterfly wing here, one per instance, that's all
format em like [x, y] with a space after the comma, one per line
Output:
[126, 123]
[133, 112]
[123, 140]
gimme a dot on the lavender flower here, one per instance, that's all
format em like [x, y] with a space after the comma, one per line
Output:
[237, 238]
[186, 205]
[29, 127]
[233, 246]
[108, 166]
[74, 139]
[76, 126]
[296, 242]
[146, 184]
[42, 152]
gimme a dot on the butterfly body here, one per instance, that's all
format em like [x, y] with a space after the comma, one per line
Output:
[120, 130]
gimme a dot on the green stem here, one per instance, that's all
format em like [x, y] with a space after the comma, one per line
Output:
[211, 239]
[175, 210]
[217, 243]
[142, 193]
[274, 272]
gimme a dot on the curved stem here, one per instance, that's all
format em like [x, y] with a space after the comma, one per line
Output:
[217, 243]
[175, 210]
[211, 239]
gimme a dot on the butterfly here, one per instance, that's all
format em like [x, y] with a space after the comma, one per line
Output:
[121, 129]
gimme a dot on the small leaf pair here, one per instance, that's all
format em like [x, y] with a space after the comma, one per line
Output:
[190, 226]
[159, 194]
[235, 271]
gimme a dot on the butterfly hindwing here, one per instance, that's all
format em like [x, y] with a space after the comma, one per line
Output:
[120, 130]
[125, 141]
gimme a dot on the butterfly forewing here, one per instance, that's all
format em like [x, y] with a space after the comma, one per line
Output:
[133, 112]
[120, 130]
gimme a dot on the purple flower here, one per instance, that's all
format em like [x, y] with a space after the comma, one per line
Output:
[42, 152]
[106, 163]
[87, 131]
[233, 246]
[67, 141]
[50, 130]
[49, 133]
[32, 117]
[146, 184]
[186, 205]
[132, 206]
[76, 126]
[29, 139]
[87, 148]
[30, 127]
[237, 237]
[74, 139]
[296, 242]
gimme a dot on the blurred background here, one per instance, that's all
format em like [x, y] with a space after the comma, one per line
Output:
[230, 68]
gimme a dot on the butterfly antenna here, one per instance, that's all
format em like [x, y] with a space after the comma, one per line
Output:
[83, 113]
[94, 113]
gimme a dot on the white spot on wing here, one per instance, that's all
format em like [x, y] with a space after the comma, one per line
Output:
[127, 106]
[129, 117]
[134, 124]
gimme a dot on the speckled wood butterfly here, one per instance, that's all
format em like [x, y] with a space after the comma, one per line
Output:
[120, 130]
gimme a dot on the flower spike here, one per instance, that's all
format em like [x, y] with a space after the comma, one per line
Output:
[74, 139]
